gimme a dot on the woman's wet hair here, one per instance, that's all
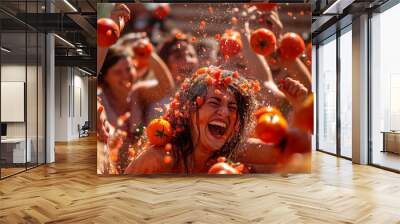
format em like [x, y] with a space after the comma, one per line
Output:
[184, 104]
[113, 56]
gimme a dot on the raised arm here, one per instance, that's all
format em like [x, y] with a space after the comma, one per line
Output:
[257, 64]
[298, 70]
[120, 13]
[165, 83]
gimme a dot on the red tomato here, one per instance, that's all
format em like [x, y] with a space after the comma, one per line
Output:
[230, 43]
[266, 6]
[107, 32]
[168, 147]
[291, 46]
[142, 53]
[263, 41]
[143, 49]
[271, 128]
[162, 11]
[222, 168]
[268, 109]
[167, 159]
[199, 100]
[159, 132]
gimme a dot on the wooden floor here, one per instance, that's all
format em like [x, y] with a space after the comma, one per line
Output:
[69, 191]
[387, 159]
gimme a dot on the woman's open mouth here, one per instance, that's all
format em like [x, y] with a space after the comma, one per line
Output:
[217, 128]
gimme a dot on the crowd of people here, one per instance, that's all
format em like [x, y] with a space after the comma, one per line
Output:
[205, 100]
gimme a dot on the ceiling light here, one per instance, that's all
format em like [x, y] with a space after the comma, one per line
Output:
[5, 50]
[70, 5]
[84, 71]
[65, 41]
[337, 7]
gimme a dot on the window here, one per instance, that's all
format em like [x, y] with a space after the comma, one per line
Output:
[385, 89]
[346, 95]
[327, 96]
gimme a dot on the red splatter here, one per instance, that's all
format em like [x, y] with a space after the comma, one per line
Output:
[227, 80]
[202, 25]
[167, 159]
[217, 74]
[199, 100]
[235, 74]
[180, 36]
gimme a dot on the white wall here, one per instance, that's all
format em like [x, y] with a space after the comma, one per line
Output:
[33, 127]
[71, 93]
[16, 73]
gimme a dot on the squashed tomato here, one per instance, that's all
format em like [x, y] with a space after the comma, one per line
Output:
[230, 43]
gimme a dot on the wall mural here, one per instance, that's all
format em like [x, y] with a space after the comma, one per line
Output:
[210, 88]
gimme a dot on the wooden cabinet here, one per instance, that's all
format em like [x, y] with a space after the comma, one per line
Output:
[391, 141]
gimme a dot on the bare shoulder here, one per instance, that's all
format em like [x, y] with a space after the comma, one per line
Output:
[150, 161]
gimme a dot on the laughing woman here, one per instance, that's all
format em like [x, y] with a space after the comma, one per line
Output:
[210, 118]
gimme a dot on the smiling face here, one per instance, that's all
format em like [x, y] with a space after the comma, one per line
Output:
[182, 61]
[121, 76]
[217, 119]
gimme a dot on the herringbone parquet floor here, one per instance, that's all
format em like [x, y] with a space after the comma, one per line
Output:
[69, 191]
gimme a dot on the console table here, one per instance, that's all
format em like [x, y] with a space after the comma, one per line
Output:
[391, 141]
[13, 150]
